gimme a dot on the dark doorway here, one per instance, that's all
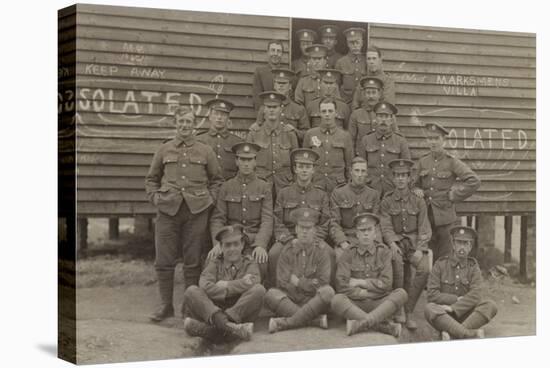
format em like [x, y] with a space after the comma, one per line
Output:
[314, 24]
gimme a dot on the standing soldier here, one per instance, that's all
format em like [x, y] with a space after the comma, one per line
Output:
[248, 201]
[455, 306]
[182, 182]
[382, 146]
[328, 87]
[263, 76]
[352, 65]
[303, 293]
[362, 120]
[333, 145]
[364, 283]
[406, 229]
[276, 139]
[347, 201]
[329, 34]
[438, 172]
[229, 296]
[309, 86]
[375, 69]
[293, 114]
[218, 136]
[301, 66]
[301, 193]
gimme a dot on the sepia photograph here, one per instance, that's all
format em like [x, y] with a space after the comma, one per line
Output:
[233, 183]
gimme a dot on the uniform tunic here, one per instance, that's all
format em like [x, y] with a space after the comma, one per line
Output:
[247, 201]
[274, 158]
[293, 114]
[310, 264]
[347, 201]
[379, 151]
[221, 142]
[335, 151]
[352, 68]
[360, 124]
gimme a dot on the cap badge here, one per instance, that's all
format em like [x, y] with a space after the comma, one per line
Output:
[329, 30]
[306, 214]
[306, 34]
[433, 127]
[222, 104]
[281, 74]
[461, 231]
[316, 48]
[272, 96]
[306, 155]
[246, 148]
[352, 33]
[329, 74]
[401, 163]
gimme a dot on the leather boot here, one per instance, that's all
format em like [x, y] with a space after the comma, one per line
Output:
[309, 311]
[455, 329]
[277, 324]
[166, 291]
[241, 331]
[389, 328]
[197, 328]
[379, 314]
[410, 323]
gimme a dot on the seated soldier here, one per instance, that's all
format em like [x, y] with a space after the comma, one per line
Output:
[406, 229]
[303, 293]
[229, 296]
[364, 283]
[455, 306]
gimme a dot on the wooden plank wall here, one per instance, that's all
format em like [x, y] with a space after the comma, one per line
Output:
[480, 85]
[133, 66]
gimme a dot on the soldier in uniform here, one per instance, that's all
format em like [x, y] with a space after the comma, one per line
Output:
[301, 66]
[364, 283]
[375, 69]
[353, 64]
[347, 201]
[293, 114]
[246, 200]
[303, 293]
[229, 296]
[362, 120]
[456, 306]
[406, 229]
[276, 139]
[301, 193]
[382, 146]
[219, 137]
[328, 87]
[333, 145]
[309, 86]
[263, 77]
[329, 34]
[436, 182]
[182, 182]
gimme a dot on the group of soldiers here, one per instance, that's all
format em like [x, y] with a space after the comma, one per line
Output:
[317, 211]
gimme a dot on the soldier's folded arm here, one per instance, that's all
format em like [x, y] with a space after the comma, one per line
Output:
[321, 277]
[215, 175]
[470, 181]
[207, 282]
[384, 281]
[471, 298]
[434, 288]
[154, 176]
[239, 286]
[284, 271]
[343, 275]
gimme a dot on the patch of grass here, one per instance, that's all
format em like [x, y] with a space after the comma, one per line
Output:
[110, 271]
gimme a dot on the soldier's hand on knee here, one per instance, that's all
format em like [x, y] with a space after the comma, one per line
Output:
[294, 280]
[215, 251]
[395, 249]
[222, 284]
[259, 254]
[418, 192]
[249, 278]
[447, 308]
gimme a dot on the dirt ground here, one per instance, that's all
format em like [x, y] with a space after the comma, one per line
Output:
[112, 326]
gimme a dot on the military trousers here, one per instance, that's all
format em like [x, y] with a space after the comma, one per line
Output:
[241, 308]
[184, 235]
[477, 317]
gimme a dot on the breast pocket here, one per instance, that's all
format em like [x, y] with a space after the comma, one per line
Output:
[392, 153]
[170, 164]
[347, 212]
[396, 219]
[254, 210]
[412, 219]
[448, 285]
[288, 207]
[373, 153]
[348, 81]
[197, 169]
[336, 154]
[234, 207]
[444, 179]
[284, 153]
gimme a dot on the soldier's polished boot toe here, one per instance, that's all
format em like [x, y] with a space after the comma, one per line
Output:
[445, 336]
[400, 316]
[163, 312]
[197, 328]
[354, 326]
[276, 324]
[480, 333]
[242, 330]
[390, 328]
[321, 322]
[411, 323]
